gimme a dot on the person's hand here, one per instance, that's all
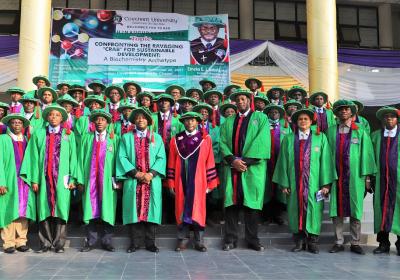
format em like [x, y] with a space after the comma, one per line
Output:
[147, 177]
[3, 190]
[239, 165]
[35, 187]
[118, 185]
[80, 187]
[325, 191]
[367, 183]
[286, 191]
[208, 190]
[139, 176]
[71, 186]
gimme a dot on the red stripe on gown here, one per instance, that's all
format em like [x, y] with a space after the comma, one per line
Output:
[385, 203]
[340, 181]
[300, 194]
[50, 172]
[236, 152]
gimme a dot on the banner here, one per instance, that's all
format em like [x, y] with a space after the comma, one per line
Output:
[155, 50]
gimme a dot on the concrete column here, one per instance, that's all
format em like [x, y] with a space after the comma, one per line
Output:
[322, 47]
[246, 30]
[97, 4]
[385, 26]
[34, 41]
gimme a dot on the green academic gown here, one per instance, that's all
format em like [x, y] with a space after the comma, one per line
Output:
[126, 161]
[176, 125]
[109, 194]
[322, 172]
[9, 202]
[257, 145]
[268, 188]
[363, 121]
[362, 163]
[378, 207]
[33, 171]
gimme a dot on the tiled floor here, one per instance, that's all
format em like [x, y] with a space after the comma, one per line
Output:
[274, 263]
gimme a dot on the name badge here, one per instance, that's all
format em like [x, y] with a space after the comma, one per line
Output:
[180, 137]
[255, 122]
[65, 138]
[110, 148]
[316, 149]
[354, 140]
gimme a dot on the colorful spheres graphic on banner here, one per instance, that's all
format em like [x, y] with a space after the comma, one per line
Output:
[71, 31]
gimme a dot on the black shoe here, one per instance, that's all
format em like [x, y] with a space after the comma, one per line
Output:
[381, 250]
[357, 249]
[9, 250]
[256, 247]
[336, 248]
[108, 248]
[59, 250]
[313, 248]
[300, 246]
[181, 246]
[229, 246]
[43, 250]
[132, 249]
[200, 247]
[23, 249]
[86, 248]
[152, 248]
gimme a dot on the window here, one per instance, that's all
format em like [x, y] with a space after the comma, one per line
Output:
[358, 26]
[279, 20]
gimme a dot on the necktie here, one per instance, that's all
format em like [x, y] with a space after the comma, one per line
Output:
[208, 46]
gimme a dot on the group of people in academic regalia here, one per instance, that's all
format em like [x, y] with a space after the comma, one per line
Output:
[192, 157]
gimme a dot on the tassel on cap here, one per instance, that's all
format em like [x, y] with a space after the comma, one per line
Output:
[284, 99]
[328, 104]
[262, 88]
[252, 102]
[398, 113]
[175, 113]
[307, 103]
[104, 97]
[154, 107]
[67, 128]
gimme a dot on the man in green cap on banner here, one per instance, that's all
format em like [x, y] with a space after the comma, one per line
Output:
[275, 200]
[304, 172]
[354, 158]
[387, 183]
[191, 175]
[141, 164]
[245, 147]
[96, 179]
[50, 168]
[209, 48]
[17, 200]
